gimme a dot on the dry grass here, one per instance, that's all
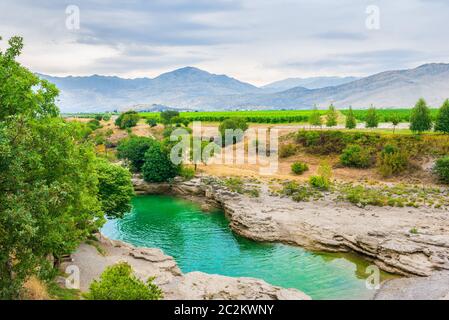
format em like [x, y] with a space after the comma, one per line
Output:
[35, 289]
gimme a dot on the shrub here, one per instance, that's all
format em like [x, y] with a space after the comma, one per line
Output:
[152, 122]
[167, 116]
[94, 124]
[372, 119]
[364, 196]
[323, 179]
[392, 161]
[299, 168]
[118, 283]
[106, 117]
[441, 169]
[287, 150]
[232, 124]
[351, 122]
[187, 173]
[158, 166]
[315, 118]
[234, 184]
[331, 116]
[355, 156]
[127, 120]
[134, 150]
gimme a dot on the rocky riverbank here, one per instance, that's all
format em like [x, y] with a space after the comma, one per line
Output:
[381, 234]
[148, 263]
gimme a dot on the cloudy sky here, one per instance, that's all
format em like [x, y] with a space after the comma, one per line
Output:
[258, 41]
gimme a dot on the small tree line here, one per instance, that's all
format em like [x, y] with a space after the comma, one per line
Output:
[420, 118]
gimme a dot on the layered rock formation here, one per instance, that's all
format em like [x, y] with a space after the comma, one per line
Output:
[148, 263]
[381, 234]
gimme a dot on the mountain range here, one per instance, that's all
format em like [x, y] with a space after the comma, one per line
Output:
[194, 89]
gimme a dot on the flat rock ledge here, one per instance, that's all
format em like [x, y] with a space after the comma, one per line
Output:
[148, 262]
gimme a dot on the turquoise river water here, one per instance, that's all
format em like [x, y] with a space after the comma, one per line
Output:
[204, 242]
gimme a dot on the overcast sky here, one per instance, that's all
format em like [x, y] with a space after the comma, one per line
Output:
[258, 41]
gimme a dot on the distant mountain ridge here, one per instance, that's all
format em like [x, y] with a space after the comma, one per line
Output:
[190, 88]
[308, 83]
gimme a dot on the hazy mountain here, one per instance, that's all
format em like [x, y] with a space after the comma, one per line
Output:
[401, 88]
[309, 83]
[194, 89]
[181, 88]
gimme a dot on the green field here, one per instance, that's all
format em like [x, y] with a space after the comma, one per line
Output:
[273, 116]
[287, 116]
[385, 115]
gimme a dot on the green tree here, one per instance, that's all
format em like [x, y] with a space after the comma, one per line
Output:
[152, 122]
[127, 120]
[420, 119]
[115, 189]
[134, 149]
[372, 119]
[331, 116]
[395, 120]
[167, 116]
[49, 183]
[22, 92]
[234, 124]
[158, 166]
[351, 123]
[315, 118]
[442, 121]
[119, 283]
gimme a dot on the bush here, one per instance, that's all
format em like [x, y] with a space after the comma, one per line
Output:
[152, 122]
[355, 156]
[187, 173]
[167, 116]
[323, 179]
[118, 283]
[127, 120]
[94, 124]
[363, 196]
[299, 168]
[235, 185]
[287, 150]
[441, 169]
[134, 150]
[372, 119]
[392, 161]
[106, 117]
[158, 166]
[232, 124]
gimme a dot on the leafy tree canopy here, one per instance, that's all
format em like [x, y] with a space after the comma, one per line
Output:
[442, 121]
[134, 149]
[420, 119]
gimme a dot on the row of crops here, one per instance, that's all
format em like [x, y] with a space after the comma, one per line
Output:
[290, 116]
[277, 116]
[287, 116]
[386, 115]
